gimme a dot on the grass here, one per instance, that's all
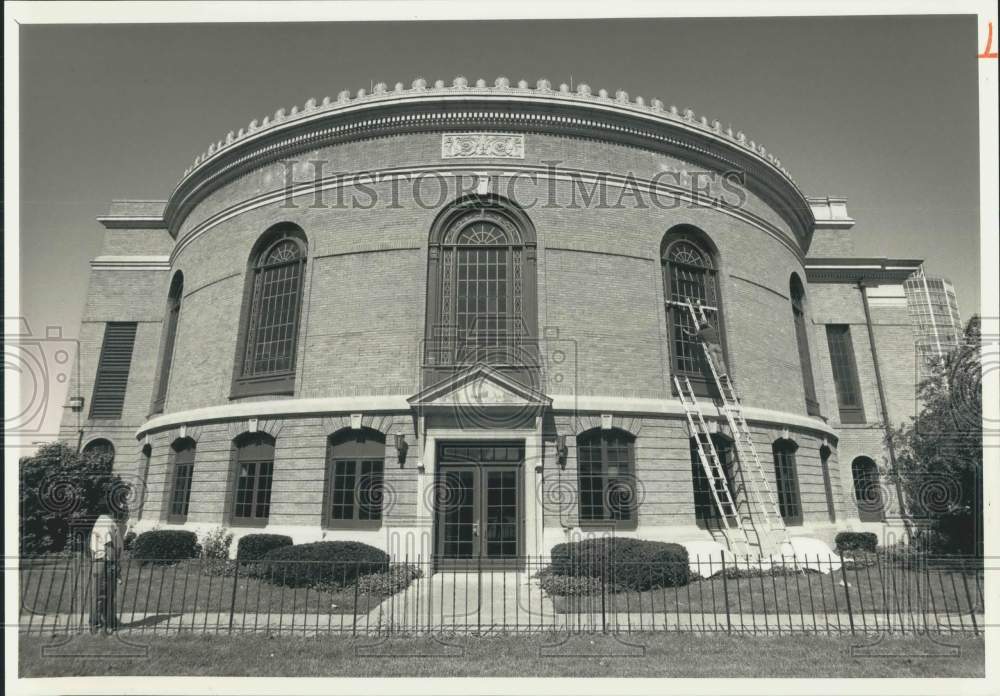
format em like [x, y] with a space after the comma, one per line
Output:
[642, 655]
[57, 587]
[868, 589]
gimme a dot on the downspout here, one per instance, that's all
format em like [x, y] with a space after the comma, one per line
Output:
[885, 411]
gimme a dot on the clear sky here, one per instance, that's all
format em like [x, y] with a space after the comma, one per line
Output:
[881, 110]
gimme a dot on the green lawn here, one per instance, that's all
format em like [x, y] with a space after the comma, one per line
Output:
[56, 587]
[647, 655]
[867, 590]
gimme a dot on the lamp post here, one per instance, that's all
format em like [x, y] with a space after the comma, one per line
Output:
[76, 406]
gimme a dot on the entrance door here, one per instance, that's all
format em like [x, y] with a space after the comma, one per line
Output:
[479, 506]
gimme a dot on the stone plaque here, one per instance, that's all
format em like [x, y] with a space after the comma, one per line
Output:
[470, 145]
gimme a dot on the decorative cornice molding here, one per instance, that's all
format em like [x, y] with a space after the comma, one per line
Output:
[517, 109]
[131, 263]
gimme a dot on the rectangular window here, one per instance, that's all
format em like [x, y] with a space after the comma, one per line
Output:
[253, 491]
[113, 365]
[355, 495]
[787, 483]
[180, 499]
[845, 373]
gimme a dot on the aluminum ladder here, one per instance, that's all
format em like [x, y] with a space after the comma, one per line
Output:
[777, 532]
[718, 484]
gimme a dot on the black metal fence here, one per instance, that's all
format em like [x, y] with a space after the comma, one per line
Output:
[833, 595]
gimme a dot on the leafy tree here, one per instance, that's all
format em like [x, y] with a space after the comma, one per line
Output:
[61, 495]
[939, 454]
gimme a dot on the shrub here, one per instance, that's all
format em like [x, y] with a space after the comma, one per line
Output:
[62, 493]
[215, 552]
[255, 546]
[856, 541]
[389, 582]
[165, 546]
[129, 540]
[321, 562]
[569, 585]
[634, 564]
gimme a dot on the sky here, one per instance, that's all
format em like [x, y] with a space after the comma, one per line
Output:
[882, 110]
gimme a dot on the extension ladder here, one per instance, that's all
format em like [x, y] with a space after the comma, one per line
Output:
[711, 464]
[777, 532]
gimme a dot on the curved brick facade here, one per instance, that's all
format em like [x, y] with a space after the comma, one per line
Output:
[602, 341]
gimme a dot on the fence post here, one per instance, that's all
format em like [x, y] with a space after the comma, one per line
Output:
[357, 585]
[725, 592]
[847, 591]
[232, 600]
[604, 620]
[972, 606]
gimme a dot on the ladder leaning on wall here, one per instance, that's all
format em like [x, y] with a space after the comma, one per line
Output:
[774, 533]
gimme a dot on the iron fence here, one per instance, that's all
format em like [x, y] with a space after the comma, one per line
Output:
[833, 595]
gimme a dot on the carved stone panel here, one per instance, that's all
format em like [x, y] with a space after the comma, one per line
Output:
[480, 145]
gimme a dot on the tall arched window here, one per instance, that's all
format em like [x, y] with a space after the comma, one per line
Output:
[252, 477]
[481, 285]
[182, 460]
[101, 449]
[169, 336]
[798, 295]
[265, 362]
[690, 276]
[353, 490]
[606, 477]
[867, 489]
[705, 510]
[787, 481]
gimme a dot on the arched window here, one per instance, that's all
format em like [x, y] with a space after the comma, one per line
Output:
[254, 471]
[606, 477]
[690, 277]
[354, 479]
[867, 489]
[705, 509]
[265, 362]
[481, 285]
[787, 481]
[798, 295]
[169, 336]
[182, 456]
[100, 449]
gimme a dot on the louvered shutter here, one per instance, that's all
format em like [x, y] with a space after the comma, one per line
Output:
[112, 370]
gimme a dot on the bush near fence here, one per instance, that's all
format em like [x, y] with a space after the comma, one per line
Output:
[856, 541]
[255, 546]
[328, 563]
[165, 546]
[635, 564]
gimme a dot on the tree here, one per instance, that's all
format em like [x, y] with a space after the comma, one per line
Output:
[939, 453]
[62, 493]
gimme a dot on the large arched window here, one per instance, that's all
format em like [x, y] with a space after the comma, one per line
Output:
[169, 336]
[182, 474]
[867, 489]
[252, 476]
[690, 276]
[786, 479]
[353, 488]
[798, 295]
[100, 449]
[606, 476]
[706, 512]
[481, 285]
[265, 361]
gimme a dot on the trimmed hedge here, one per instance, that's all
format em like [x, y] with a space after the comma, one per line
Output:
[165, 546]
[635, 564]
[856, 541]
[321, 562]
[255, 546]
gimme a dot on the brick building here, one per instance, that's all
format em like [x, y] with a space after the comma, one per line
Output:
[448, 319]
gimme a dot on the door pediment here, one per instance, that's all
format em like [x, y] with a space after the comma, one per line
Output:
[479, 386]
